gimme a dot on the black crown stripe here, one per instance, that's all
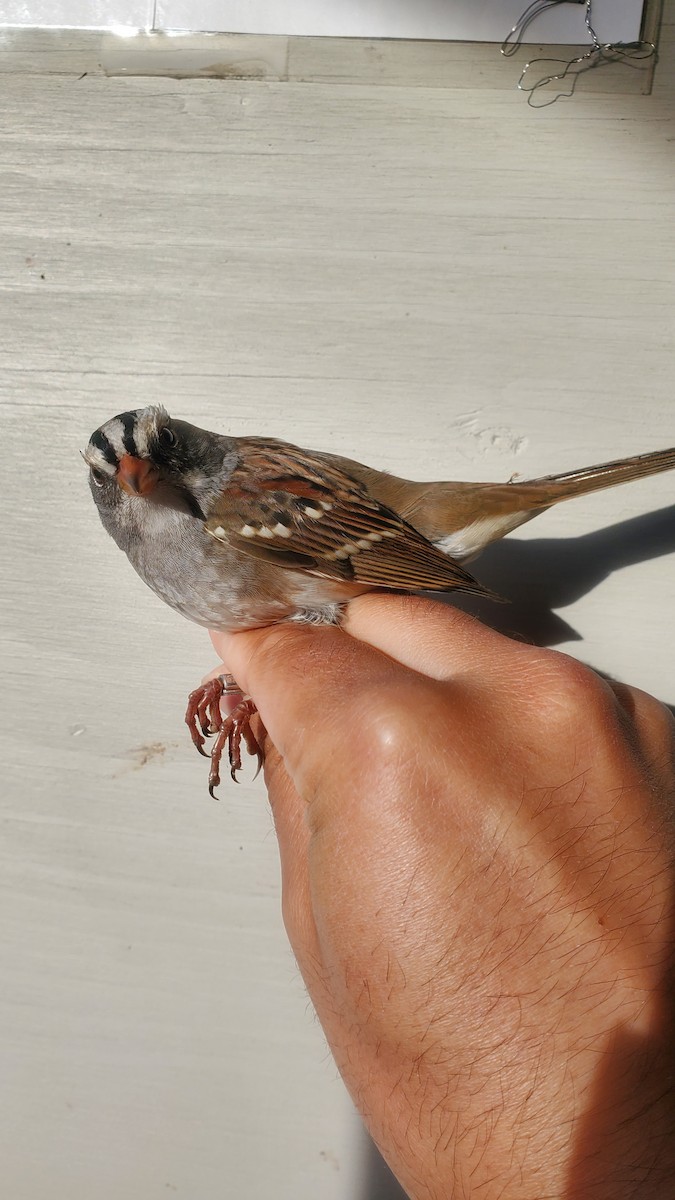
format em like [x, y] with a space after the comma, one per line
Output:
[101, 443]
[128, 422]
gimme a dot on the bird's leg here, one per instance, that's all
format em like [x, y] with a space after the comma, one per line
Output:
[204, 718]
[234, 727]
[200, 714]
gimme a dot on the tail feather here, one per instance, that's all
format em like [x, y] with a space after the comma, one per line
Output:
[604, 475]
[463, 518]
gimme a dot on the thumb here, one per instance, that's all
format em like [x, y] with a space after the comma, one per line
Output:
[305, 682]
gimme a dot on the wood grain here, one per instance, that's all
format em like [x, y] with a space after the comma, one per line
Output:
[439, 281]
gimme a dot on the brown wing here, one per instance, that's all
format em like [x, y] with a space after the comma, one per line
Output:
[297, 509]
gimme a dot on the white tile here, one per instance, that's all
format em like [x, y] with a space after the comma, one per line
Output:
[77, 13]
[464, 20]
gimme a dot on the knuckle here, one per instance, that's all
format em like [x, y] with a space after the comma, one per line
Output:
[566, 691]
[382, 722]
[392, 726]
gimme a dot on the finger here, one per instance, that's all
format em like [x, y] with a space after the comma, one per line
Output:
[426, 635]
[308, 685]
[650, 725]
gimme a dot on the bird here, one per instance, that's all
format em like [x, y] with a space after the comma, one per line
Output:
[238, 533]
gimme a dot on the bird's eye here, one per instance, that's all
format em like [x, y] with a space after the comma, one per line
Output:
[166, 437]
[98, 477]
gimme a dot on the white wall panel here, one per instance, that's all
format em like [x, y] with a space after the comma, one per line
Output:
[77, 14]
[470, 20]
[437, 280]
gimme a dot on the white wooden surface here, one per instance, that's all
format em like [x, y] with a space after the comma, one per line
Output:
[273, 58]
[443, 282]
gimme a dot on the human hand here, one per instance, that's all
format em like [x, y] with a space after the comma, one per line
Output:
[476, 849]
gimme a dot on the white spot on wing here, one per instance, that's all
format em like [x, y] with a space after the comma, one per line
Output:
[282, 530]
[264, 532]
[247, 531]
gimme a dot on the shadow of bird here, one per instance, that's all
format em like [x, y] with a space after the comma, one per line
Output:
[538, 576]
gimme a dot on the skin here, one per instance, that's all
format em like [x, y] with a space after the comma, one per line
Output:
[476, 841]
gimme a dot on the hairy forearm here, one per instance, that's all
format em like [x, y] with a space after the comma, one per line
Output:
[480, 1076]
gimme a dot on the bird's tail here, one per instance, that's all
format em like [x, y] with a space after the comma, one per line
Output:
[552, 488]
[463, 518]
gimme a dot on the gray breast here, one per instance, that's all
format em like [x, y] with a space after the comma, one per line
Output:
[208, 582]
[213, 584]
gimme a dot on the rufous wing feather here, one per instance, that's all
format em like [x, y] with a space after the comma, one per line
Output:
[298, 510]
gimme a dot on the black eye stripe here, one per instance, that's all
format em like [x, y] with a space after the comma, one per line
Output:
[128, 423]
[101, 443]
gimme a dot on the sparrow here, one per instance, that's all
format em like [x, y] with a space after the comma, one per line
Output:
[241, 532]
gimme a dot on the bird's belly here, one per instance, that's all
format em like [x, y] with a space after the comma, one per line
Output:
[229, 591]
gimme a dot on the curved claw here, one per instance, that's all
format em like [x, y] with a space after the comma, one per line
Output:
[202, 703]
[204, 718]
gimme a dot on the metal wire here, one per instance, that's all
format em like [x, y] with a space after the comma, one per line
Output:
[599, 54]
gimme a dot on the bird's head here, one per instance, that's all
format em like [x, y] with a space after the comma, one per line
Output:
[144, 460]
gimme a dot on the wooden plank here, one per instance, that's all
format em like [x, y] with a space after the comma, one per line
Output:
[437, 280]
[348, 61]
